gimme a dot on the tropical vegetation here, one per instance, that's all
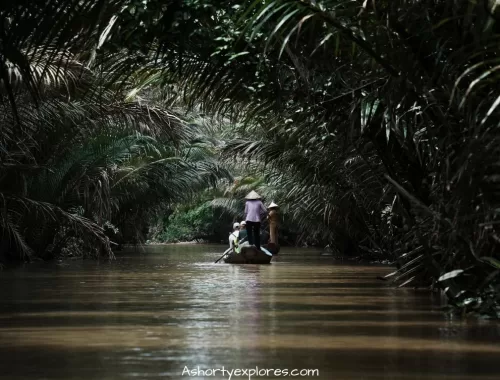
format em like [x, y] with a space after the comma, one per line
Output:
[373, 123]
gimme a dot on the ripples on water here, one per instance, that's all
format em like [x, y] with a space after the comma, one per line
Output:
[151, 313]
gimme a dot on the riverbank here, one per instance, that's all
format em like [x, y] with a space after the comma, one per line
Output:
[178, 243]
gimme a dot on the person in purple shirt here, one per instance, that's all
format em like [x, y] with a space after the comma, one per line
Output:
[253, 209]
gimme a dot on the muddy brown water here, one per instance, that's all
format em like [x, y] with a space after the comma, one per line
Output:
[157, 313]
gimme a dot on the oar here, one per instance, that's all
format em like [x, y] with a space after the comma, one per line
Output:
[224, 254]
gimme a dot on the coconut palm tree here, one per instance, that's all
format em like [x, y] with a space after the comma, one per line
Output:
[83, 151]
[380, 116]
[389, 109]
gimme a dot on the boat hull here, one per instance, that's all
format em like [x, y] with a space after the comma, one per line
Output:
[273, 248]
[249, 255]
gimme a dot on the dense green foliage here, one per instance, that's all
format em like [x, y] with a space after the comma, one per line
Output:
[373, 123]
[189, 225]
[84, 158]
[199, 222]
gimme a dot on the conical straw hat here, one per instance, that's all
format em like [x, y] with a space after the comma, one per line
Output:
[252, 195]
[272, 205]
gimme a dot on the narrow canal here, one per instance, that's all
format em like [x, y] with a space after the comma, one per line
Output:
[151, 314]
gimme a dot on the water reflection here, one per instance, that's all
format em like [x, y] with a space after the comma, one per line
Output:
[149, 314]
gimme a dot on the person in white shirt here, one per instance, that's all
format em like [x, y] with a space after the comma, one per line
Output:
[233, 236]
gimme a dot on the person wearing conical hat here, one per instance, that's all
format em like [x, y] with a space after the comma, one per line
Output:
[253, 210]
[253, 195]
[273, 223]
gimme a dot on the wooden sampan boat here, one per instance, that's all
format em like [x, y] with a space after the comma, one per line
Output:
[249, 254]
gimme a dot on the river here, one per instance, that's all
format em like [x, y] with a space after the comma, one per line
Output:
[163, 310]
